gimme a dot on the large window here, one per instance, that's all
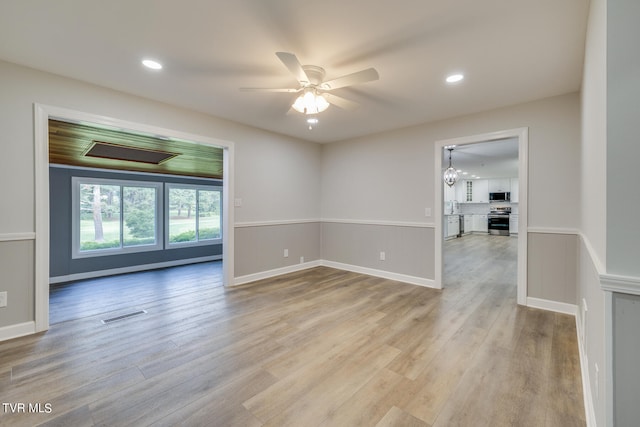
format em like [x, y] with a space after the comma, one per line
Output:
[193, 215]
[113, 216]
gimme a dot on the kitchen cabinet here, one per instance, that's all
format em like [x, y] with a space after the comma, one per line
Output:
[514, 190]
[480, 191]
[480, 224]
[451, 226]
[468, 224]
[499, 185]
[513, 224]
[461, 190]
[449, 193]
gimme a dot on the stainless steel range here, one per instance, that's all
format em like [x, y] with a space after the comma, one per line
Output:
[499, 220]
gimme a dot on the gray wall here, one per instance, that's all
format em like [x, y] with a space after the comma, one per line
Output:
[260, 248]
[623, 200]
[626, 345]
[60, 214]
[623, 149]
[552, 266]
[408, 250]
[16, 258]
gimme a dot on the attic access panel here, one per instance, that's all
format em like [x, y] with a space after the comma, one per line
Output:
[108, 150]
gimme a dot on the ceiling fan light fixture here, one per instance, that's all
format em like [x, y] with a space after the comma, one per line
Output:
[310, 102]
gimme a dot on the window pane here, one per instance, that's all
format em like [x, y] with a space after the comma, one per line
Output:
[99, 217]
[182, 215]
[139, 206]
[208, 215]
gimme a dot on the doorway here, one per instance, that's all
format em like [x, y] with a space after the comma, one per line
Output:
[521, 136]
[42, 114]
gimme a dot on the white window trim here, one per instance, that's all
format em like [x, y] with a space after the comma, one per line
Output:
[179, 245]
[75, 227]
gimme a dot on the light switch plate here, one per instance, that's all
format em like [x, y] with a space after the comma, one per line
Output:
[3, 299]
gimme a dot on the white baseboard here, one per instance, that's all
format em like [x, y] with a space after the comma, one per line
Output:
[133, 269]
[558, 307]
[413, 280]
[241, 280]
[589, 410]
[18, 330]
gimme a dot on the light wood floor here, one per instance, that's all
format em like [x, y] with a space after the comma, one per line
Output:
[316, 348]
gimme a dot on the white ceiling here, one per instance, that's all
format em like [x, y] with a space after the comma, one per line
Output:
[510, 51]
[494, 159]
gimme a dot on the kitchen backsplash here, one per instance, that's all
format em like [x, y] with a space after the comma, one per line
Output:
[484, 208]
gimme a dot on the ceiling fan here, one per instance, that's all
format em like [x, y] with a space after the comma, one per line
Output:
[315, 96]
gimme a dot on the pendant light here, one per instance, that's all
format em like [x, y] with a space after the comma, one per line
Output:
[450, 175]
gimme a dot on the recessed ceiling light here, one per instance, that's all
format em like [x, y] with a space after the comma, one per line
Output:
[455, 78]
[465, 173]
[150, 63]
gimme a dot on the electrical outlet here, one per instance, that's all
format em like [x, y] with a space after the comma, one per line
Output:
[301, 260]
[383, 256]
[237, 203]
[286, 253]
[3, 299]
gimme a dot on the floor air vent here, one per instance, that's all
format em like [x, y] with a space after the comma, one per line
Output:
[124, 316]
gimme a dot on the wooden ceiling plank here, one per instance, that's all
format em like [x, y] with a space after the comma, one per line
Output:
[69, 141]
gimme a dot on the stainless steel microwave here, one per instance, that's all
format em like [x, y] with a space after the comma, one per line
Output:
[500, 197]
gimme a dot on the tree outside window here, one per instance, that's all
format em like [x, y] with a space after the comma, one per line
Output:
[194, 214]
[112, 216]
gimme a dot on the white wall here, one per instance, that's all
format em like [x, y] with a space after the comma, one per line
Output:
[389, 176]
[593, 179]
[593, 176]
[277, 177]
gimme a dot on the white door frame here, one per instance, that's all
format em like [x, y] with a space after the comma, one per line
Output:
[523, 149]
[42, 114]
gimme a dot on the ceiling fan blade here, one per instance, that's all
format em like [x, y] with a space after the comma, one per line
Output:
[340, 102]
[266, 89]
[294, 66]
[363, 76]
